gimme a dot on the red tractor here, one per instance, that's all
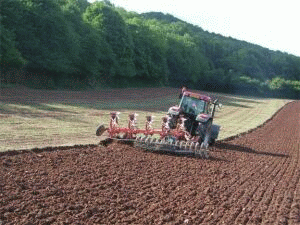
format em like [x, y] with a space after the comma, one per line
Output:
[186, 129]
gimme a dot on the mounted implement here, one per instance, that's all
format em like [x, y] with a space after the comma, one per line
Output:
[186, 129]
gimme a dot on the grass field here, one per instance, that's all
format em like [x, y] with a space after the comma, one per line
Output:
[35, 119]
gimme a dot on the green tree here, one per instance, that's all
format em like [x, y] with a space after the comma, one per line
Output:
[11, 59]
[72, 43]
[9, 54]
[109, 22]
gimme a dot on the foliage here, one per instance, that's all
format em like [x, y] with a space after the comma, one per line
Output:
[75, 44]
[9, 54]
[282, 87]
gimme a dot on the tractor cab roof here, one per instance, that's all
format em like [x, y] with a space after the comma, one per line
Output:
[197, 96]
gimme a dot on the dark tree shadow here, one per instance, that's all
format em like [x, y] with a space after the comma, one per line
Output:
[239, 148]
[234, 104]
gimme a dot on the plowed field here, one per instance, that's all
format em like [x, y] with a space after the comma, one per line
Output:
[251, 179]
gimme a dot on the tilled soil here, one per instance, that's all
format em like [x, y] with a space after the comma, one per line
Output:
[26, 95]
[251, 179]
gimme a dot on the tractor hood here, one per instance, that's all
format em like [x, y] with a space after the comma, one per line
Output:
[174, 110]
[203, 117]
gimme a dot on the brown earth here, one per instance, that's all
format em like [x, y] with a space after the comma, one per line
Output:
[252, 179]
[26, 95]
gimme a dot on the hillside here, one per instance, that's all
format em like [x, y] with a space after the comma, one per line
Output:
[74, 44]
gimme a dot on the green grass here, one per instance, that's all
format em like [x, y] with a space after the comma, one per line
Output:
[238, 119]
[26, 126]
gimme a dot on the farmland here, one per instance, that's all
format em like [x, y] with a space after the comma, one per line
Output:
[39, 118]
[253, 178]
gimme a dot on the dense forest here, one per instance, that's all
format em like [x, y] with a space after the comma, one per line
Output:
[72, 44]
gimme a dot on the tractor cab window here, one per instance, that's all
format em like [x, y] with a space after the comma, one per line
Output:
[209, 108]
[193, 106]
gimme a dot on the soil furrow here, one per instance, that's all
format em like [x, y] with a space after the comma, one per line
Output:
[235, 192]
[262, 185]
[249, 191]
[291, 183]
[264, 196]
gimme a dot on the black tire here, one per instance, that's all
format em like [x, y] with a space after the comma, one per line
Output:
[100, 130]
[204, 128]
[208, 127]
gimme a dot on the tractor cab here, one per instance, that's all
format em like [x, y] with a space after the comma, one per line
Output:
[191, 105]
[194, 104]
[194, 108]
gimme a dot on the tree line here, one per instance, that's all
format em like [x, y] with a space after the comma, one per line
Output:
[75, 44]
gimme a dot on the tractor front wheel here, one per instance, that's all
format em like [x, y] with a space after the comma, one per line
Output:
[205, 131]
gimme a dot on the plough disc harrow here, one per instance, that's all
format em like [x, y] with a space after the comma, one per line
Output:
[170, 145]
